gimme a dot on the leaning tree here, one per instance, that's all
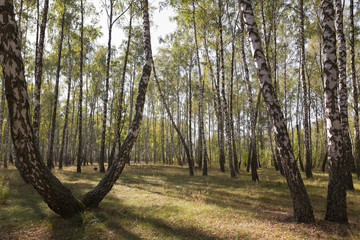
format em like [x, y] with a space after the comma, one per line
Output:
[303, 211]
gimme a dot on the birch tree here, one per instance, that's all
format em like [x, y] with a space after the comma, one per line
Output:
[303, 211]
[348, 156]
[354, 90]
[336, 197]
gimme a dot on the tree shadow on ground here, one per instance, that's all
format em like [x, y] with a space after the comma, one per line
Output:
[122, 220]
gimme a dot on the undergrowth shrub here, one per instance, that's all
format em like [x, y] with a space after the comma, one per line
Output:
[4, 190]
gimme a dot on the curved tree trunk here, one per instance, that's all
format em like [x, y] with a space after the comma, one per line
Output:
[57, 196]
[94, 197]
[303, 211]
[336, 198]
[348, 156]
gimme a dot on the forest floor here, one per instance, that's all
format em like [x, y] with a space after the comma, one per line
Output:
[163, 202]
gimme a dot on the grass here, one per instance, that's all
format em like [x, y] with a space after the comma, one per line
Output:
[4, 190]
[163, 202]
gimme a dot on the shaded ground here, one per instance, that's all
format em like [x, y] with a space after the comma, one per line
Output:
[163, 202]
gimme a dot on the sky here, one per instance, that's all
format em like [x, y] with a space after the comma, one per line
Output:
[160, 27]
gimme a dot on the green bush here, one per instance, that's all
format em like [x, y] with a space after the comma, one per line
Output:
[4, 190]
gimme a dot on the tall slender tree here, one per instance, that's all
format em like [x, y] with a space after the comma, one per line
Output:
[303, 211]
[201, 107]
[66, 119]
[348, 156]
[224, 100]
[121, 97]
[106, 92]
[50, 161]
[336, 197]
[94, 197]
[354, 91]
[252, 152]
[307, 149]
[177, 129]
[39, 69]
[190, 107]
[79, 152]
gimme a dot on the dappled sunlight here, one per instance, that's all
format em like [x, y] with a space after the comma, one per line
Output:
[163, 202]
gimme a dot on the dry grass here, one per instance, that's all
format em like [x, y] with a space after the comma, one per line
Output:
[163, 202]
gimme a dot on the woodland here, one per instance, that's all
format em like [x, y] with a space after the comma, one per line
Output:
[243, 124]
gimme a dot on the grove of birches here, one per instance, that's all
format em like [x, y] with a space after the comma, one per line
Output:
[237, 86]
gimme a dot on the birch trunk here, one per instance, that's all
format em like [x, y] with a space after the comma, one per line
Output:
[336, 198]
[190, 110]
[121, 97]
[224, 101]
[347, 145]
[354, 90]
[252, 153]
[220, 116]
[57, 196]
[66, 108]
[79, 153]
[203, 149]
[303, 211]
[50, 160]
[307, 149]
[176, 127]
[94, 197]
[38, 72]
[106, 98]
